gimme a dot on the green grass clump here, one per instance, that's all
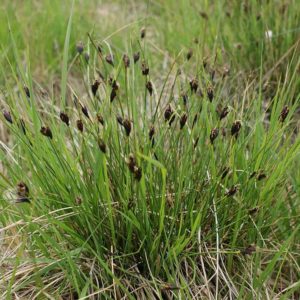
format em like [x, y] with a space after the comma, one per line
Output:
[148, 174]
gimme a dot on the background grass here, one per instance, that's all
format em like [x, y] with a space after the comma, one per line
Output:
[211, 219]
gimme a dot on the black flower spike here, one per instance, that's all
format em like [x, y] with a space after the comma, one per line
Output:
[102, 145]
[64, 118]
[145, 69]
[26, 90]
[224, 112]
[22, 189]
[100, 119]
[7, 116]
[196, 142]
[131, 162]
[127, 126]
[149, 87]
[79, 47]
[113, 95]
[232, 191]
[109, 59]
[95, 87]
[210, 94]
[23, 193]
[85, 111]
[168, 113]
[195, 120]
[78, 200]
[126, 61]
[189, 54]
[249, 250]
[284, 113]
[22, 126]
[143, 33]
[185, 97]
[137, 173]
[120, 120]
[225, 171]
[204, 15]
[46, 131]
[194, 85]
[79, 125]
[235, 129]
[183, 120]
[151, 133]
[213, 135]
[99, 48]
[261, 176]
[136, 57]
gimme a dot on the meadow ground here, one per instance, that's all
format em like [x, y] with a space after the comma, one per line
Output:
[149, 149]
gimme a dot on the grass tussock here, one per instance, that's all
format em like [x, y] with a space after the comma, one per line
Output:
[155, 174]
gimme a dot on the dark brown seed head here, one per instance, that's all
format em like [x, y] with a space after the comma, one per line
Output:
[224, 112]
[7, 116]
[143, 32]
[194, 85]
[85, 111]
[195, 120]
[224, 172]
[204, 15]
[145, 68]
[127, 126]
[283, 114]
[113, 95]
[79, 47]
[22, 125]
[102, 145]
[78, 201]
[136, 57]
[210, 94]
[46, 131]
[252, 175]
[151, 132]
[95, 87]
[26, 90]
[149, 87]
[185, 97]
[120, 120]
[23, 193]
[137, 173]
[223, 131]
[22, 189]
[79, 125]
[168, 113]
[126, 61]
[196, 142]
[100, 119]
[109, 59]
[99, 48]
[131, 162]
[232, 191]
[213, 135]
[189, 54]
[249, 250]
[114, 84]
[183, 120]
[235, 128]
[64, 118]
[253, 210]
[261, 176]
